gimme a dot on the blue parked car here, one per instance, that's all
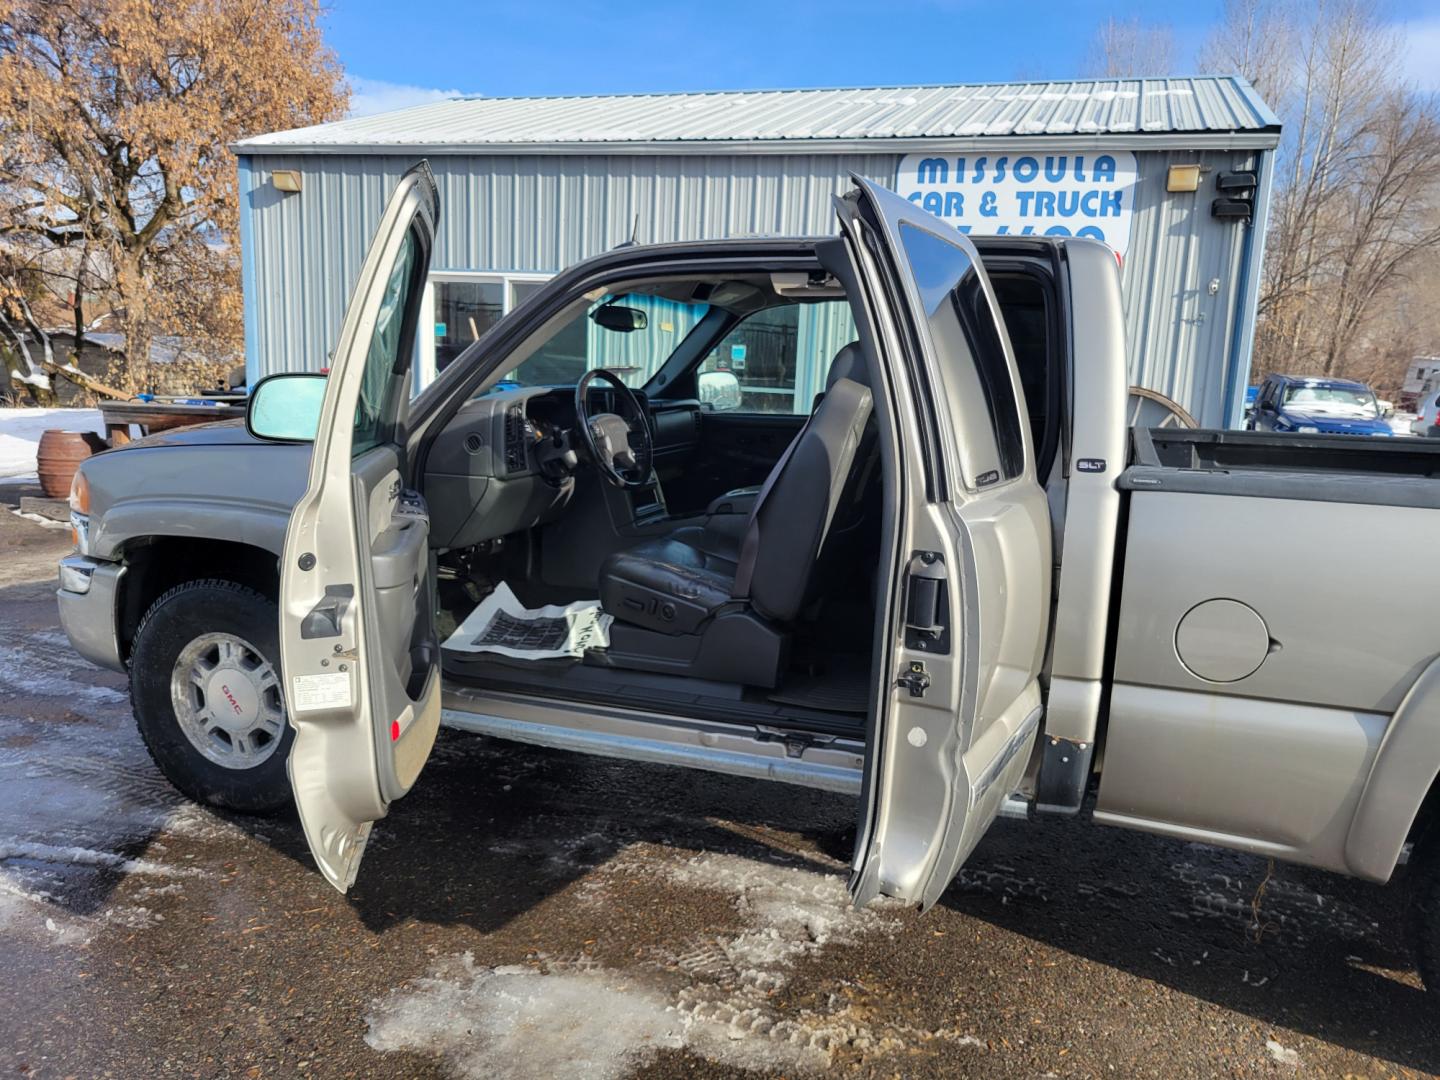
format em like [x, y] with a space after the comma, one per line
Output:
[1315, 406]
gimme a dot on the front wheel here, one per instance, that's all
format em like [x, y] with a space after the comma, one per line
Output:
[1425, 910]
[205, 687]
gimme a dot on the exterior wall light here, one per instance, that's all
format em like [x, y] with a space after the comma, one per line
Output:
[1183, 178]
[287, 180]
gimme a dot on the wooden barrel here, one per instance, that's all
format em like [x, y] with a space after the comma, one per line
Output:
[59, 455]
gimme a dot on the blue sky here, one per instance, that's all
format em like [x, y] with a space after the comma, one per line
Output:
[568, 47]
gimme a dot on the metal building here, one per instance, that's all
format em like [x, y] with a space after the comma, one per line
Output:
[1172, 173]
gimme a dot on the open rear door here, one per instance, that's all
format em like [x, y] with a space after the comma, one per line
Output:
[969, 595]
[357, 635]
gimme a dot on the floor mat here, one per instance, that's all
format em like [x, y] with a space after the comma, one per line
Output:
[844, 688]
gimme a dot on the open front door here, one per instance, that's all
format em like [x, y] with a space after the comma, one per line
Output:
[357, 635]
[969, 595]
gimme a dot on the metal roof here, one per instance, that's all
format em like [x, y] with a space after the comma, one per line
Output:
[1201, 108]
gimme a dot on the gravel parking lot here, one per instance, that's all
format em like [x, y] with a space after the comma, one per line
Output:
[529, 914]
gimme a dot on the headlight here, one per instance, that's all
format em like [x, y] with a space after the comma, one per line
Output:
[1307, 429]
[80, 532]
[80, 513]
[80, 494]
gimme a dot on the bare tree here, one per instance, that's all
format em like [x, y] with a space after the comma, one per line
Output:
[1259, 40]
[1355, 179]
[1128, 48]
[1387, 216]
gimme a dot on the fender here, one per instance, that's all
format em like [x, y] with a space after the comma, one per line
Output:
[243, 521]
[1404, 770]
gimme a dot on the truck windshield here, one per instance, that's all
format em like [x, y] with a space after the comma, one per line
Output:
[633, 338]
[1338, 400]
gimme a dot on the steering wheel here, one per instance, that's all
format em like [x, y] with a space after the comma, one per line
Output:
[620, 448]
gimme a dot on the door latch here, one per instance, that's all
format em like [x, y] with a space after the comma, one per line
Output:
[916, 679]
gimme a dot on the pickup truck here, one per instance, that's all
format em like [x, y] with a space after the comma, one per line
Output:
[958, 586]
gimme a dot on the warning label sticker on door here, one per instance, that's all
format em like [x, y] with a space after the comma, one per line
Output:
[331, 691]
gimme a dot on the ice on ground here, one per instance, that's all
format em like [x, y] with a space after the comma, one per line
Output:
[20, 431]
[1289, 912]
[712, 995]
[195, 822]
[40, 669]
[1281, 1055]
[81, 797]
[81, 856]
[514, 1023]
[788, 912]
[27, 912]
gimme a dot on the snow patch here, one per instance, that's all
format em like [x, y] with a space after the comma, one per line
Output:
[1281, 1055]
[713, 996]
[40, 519]
[1288, 912]
[788, 912]
[193, 822]
[81, 856]
[20, 431]
[514, 1023]
[25, 911]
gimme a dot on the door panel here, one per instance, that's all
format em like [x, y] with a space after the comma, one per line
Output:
[970, 588]
[357, 634]
[736, 450]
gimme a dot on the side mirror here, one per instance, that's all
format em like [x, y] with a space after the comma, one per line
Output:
[286, 407]
[623, 319]
[719, 391]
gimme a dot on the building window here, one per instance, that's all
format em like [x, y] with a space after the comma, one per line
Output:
[463, 306]
[781, 355]
[463, 311]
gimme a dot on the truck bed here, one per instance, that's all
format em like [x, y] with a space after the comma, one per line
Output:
[1317, 468]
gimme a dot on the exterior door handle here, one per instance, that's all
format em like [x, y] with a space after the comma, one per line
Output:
[927, 603]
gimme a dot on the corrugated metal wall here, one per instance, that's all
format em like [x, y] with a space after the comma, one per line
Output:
[543, 212]
[1179, 332]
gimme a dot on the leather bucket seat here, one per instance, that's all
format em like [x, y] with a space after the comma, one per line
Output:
[716, 603]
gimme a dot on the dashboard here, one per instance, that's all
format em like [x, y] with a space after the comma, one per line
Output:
[500, 466]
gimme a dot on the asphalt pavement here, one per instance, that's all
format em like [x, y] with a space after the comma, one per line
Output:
[528, 913]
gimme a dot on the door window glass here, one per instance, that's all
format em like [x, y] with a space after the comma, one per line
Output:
[464, 310]
[384, 362]
[781, 355]
[973, 367]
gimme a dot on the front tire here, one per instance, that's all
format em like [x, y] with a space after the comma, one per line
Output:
[206, 691]
[1424, 888]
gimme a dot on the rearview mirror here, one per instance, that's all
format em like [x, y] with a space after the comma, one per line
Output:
[286, 407]
[719, 390]
[623, 319]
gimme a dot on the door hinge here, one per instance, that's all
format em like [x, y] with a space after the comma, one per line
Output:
[915, 679]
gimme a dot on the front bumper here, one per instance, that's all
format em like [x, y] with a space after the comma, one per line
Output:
[87, 596]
